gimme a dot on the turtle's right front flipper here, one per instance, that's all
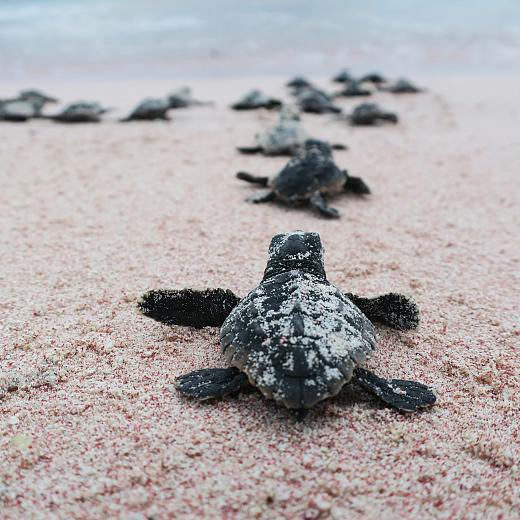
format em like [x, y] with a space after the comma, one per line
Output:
[187, 307]
[212, 383]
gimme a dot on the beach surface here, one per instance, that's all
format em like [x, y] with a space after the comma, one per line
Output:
[91, 425]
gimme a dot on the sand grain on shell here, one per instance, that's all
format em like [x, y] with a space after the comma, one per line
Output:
[93, 216]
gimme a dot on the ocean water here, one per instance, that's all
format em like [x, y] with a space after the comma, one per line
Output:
[199, 38]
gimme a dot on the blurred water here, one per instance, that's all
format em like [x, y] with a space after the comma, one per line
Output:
[169, 38]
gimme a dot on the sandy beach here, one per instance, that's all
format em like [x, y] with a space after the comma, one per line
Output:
[94, 215]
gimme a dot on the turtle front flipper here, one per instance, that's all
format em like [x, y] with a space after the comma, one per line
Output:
[188, 307]
[317, 201]
[405, 396]
[392, 309]
[212, 383]
[253, 179]
[249, 150]
[356, 185]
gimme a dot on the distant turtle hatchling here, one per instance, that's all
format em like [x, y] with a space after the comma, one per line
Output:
[370, 114]
[81, 112]
[182, 98]
[284, 138]
[344, 76]
[307, 178]
[296, 338]
[401, 86]
[256, 99]
[315, 101]
[150, 109]
[354, 89]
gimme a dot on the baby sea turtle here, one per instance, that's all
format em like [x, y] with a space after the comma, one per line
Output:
[315, 101]
[373, 77]
[344, 76]
[370, 114]
[299, 82]
[16, 111]
[402, 86]
[306, 178]
[150, 109]
[256, 99]
[37, 99]
[283, 138]
[182, 98]
[354, 89]
[81, 112]
[295, 337]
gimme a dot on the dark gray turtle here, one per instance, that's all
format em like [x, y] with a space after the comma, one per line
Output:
[81, 112]
[150, 109]
[344, 76]
[370, 114]
[37, 99]
[401, 86]
[299, 82]
[374, 77]
[295, 337]
[306, 178]
[16, 111]
[354, 89]
[315, 101]
[256, 99]
[182, 98]
[284, 138]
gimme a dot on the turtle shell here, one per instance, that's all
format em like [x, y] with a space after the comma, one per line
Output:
[297, 338]
[311, 170]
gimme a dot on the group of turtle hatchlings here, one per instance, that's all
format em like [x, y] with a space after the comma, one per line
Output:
[295, 337]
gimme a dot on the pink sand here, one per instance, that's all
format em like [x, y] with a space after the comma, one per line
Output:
[93, 216]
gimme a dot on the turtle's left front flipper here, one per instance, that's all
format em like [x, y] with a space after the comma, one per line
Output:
[189, 308]
[212, 383]
[392, 309]
[405, 396]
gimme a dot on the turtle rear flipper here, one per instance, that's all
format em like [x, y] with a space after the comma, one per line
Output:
[357, 185]
[189, 308]
[212, 383]
[406, 396]
[317, 201]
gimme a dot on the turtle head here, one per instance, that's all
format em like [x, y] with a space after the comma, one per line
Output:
[296, 250]
[313, 146]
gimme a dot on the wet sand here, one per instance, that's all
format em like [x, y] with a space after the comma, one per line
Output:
[94, 215]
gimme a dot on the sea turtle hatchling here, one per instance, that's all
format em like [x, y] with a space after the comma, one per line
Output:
[16, 111]
[315, 101]
[296, 337]
[284, 138]
[37, 99]
[370, 114]
[343, 76]
[183, 98]
[256, 99]
[80, 112]
[306, 178]
[298, 82]
[150, 109]
[354, 89]
[401, 86]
